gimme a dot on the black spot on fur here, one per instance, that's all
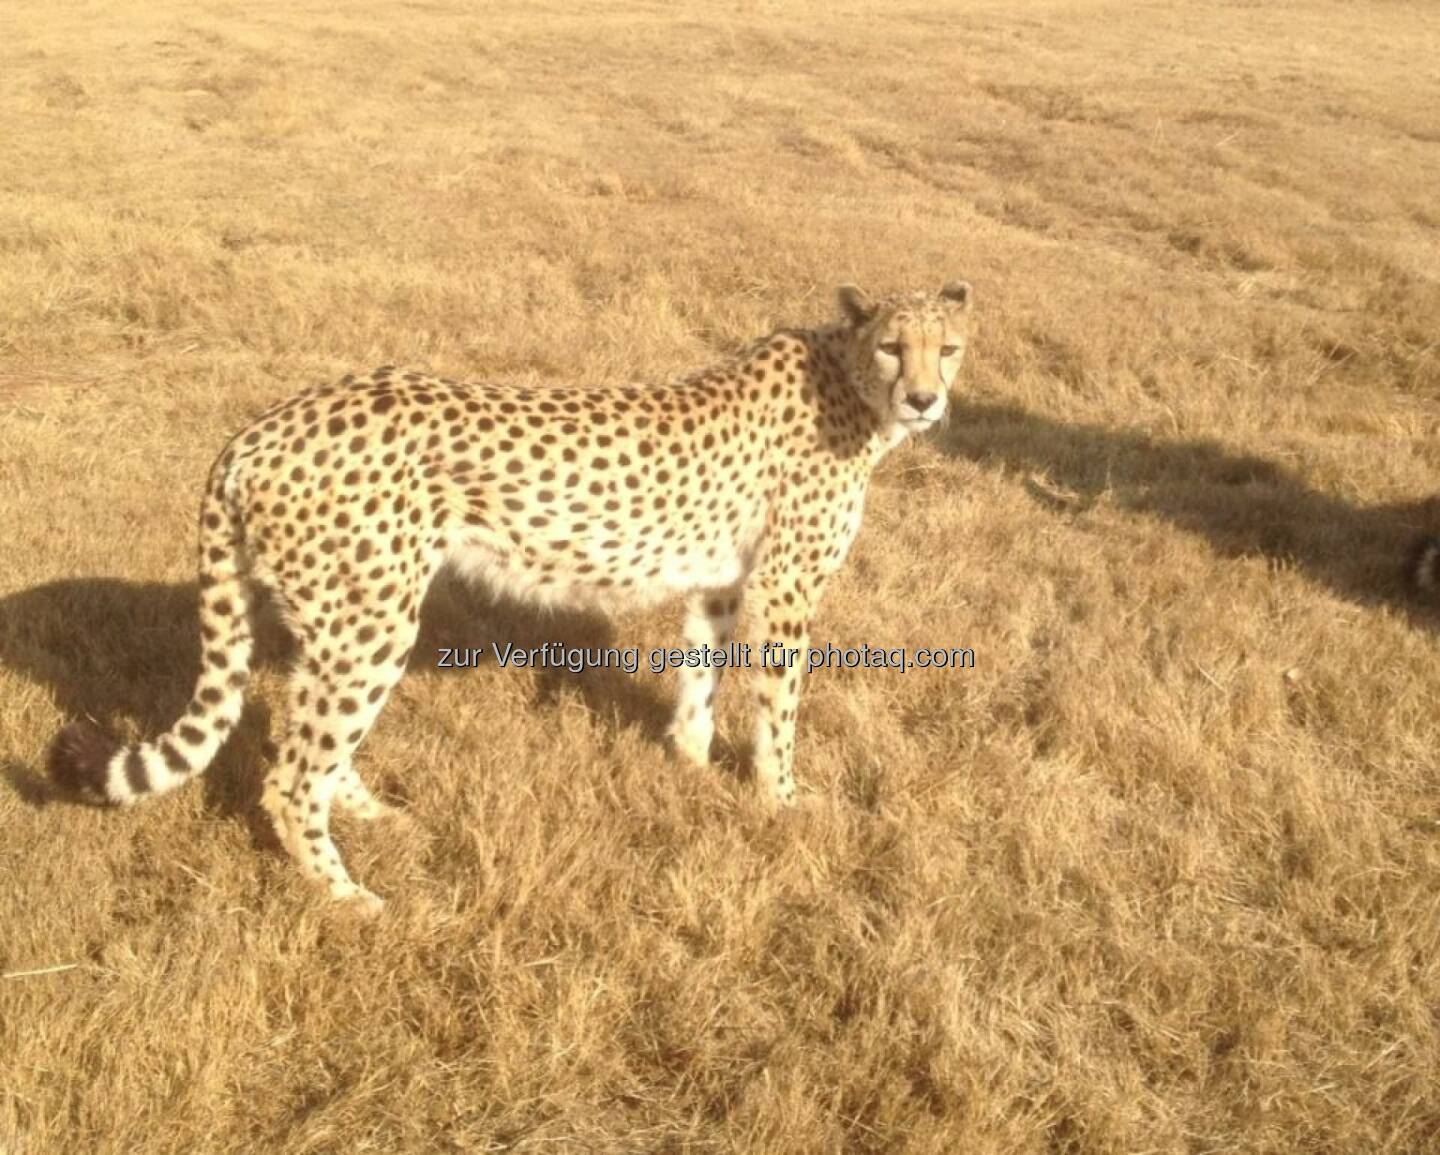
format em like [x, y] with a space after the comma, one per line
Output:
[173, 758]
[192, 734]
[135, 772]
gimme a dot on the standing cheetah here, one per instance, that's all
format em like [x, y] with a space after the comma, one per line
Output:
[746, 480]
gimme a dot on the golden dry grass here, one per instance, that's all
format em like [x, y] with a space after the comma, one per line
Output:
[1162, 874]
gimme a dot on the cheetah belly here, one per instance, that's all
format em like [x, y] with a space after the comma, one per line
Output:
[590, 575]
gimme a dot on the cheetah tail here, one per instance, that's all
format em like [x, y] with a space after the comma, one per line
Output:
[1422, 568]
[91, 765]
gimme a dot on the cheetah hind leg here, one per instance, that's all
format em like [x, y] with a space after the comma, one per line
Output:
[355, 799]
[279, 784]
[318, 765]
[351, 795]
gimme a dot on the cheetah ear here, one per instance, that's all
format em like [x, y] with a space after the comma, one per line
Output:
[959, 293]
[855, 304]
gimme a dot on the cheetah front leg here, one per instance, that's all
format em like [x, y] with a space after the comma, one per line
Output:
[709, 621]
[785, 607]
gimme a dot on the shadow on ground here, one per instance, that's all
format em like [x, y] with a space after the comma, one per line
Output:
[1245, 506]
[457, 616]
[117, 651]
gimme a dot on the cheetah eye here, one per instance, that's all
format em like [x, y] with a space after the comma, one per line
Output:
[890, 348]
[949, 350]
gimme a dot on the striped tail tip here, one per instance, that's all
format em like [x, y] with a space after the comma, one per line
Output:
[78, 760]
[1422, 570]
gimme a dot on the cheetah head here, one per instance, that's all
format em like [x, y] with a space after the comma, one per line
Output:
[906, 351]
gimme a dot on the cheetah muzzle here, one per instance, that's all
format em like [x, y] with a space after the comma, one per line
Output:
[743, 484]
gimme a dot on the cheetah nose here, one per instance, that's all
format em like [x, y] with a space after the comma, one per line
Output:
[920, 402]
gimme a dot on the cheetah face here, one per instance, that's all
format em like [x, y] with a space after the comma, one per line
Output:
[907, 351]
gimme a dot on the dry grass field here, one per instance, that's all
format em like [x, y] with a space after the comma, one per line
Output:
[1160, 874]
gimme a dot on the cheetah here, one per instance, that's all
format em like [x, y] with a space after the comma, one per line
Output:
[742, 483]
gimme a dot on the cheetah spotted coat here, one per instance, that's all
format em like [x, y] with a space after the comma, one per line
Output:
[745, 482]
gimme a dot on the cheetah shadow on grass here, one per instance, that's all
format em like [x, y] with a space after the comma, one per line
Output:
[1245, 506]
[459, 617]
[126, 654]
[117, 651]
